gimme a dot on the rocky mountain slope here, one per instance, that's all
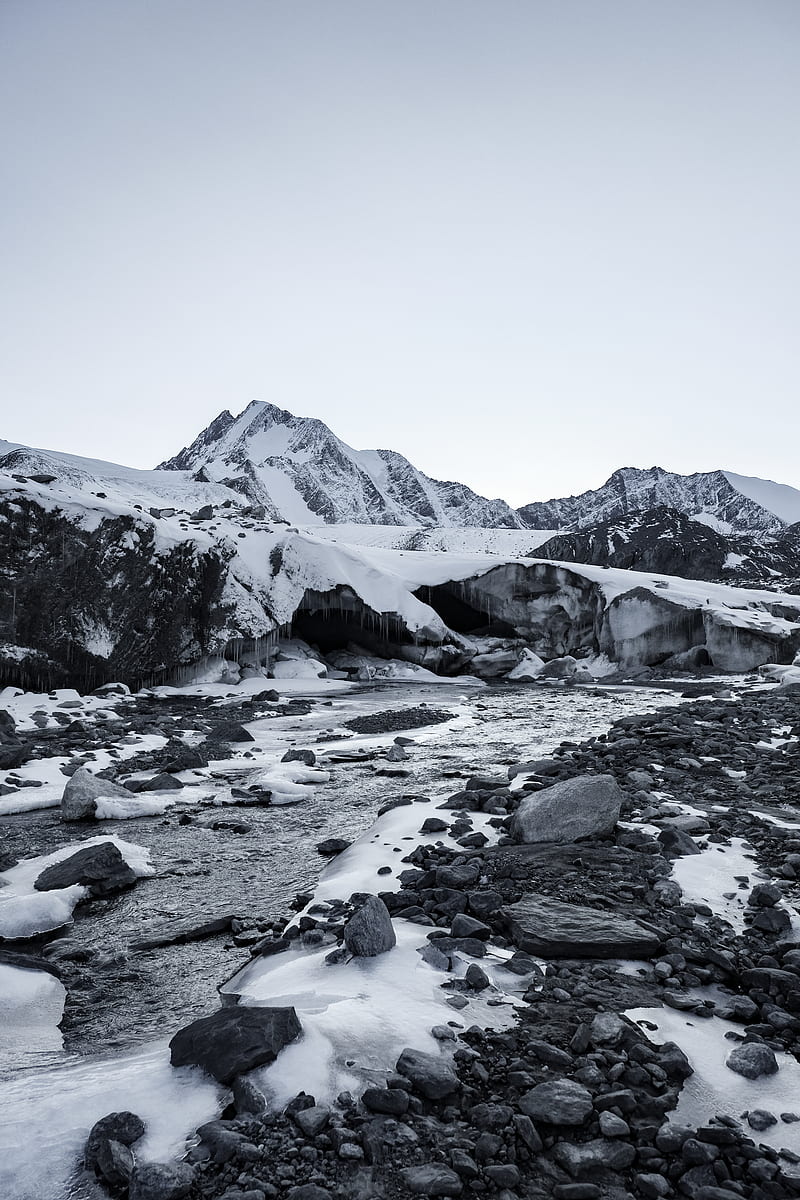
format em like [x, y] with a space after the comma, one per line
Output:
[667, 542]
[301, 472]
[729, 503]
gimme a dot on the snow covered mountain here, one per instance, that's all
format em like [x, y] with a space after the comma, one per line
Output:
[727, 502]
[301, 472]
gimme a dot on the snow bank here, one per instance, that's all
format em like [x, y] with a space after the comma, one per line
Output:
[358, 1016]
[713, 878]
[31, 1007]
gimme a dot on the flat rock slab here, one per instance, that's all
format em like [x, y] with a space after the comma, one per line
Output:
[234, 1040]
[553, 929]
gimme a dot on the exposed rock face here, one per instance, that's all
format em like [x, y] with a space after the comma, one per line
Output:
[143, 606]
[81, 792]
[717, 494]
[666, 541]
[369, 931]
[553, 929]
[101, 868]
[234, 1040]
[585, 807]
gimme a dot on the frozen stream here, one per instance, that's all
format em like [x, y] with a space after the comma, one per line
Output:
[115, 1055]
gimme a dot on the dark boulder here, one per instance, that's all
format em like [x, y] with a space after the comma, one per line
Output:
[101, 868]
[234, 1040]
[122, 1127]
[369, 931]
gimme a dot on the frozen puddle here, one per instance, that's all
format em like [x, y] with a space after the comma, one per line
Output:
[358, 1016]
[45, 1116]
[714, 1090]
[712, 878]
[31, 1006]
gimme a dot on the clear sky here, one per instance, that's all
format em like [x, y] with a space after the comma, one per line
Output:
[523, 242]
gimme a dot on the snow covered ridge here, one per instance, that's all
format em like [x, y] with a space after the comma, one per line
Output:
[113, 573]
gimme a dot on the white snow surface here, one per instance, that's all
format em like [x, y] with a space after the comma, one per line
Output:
[54, 1111]
[714, 1088]
[357, 1017]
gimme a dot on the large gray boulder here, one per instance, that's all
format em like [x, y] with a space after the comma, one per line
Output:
[370, 931]
[585, 807]
[432, 1179]
[234, 1040]
[553, 929]
[601, 1154]
[78, 802]
[101, 868]
[429, 1074]
[558, 1102]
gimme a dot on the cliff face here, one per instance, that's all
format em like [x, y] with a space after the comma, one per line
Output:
[101, 604]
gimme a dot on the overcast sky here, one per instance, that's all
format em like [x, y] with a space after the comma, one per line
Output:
[523, 242]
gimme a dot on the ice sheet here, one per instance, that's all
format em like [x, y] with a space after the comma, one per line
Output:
[53, 1112]
[714, 1089]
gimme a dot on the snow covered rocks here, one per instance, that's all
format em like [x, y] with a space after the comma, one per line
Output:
[83, 790]
[369, 931]
[234, 1040]
[573, 809]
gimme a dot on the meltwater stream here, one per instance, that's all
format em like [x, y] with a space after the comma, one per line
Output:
[115, 1042]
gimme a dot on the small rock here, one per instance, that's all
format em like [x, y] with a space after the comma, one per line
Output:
[307, 757]
[161, 1181]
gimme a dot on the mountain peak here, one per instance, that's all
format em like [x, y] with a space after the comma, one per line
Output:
[300, 471]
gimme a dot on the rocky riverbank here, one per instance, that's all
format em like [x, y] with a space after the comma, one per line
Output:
[602, 959]
[572, 1099]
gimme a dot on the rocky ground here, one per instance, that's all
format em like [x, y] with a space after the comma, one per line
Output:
[573, 1099]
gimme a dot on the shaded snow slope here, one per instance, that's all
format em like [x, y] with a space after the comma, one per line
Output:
[776, 498]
